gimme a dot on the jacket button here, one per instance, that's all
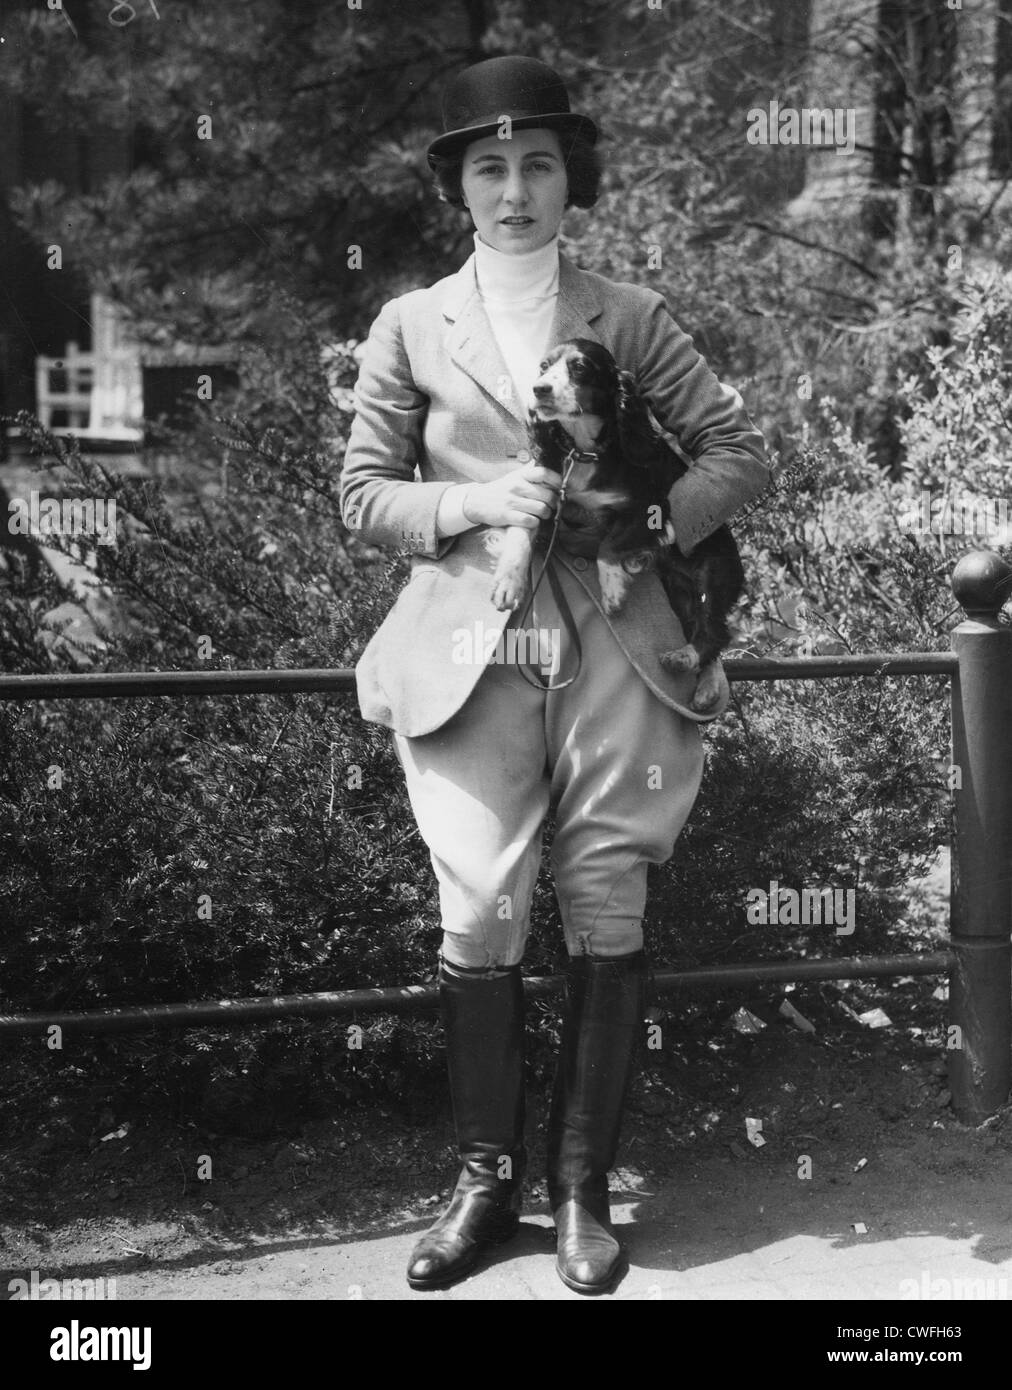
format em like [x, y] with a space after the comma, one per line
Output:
[579, 563]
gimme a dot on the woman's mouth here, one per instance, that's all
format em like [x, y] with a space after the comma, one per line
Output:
[517, 221]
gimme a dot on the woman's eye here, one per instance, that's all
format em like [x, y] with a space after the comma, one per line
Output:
[540, 166]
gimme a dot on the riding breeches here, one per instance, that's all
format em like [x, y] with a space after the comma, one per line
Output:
[620, 769]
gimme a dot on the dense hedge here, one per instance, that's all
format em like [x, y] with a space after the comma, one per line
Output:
[287, 815]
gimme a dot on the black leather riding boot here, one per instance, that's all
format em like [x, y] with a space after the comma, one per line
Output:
[605, 1000]
[484, 1022]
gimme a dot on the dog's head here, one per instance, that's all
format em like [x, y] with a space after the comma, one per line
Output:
[577, 378]
[582, 389]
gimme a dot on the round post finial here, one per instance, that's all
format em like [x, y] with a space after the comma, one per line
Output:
[982, 583]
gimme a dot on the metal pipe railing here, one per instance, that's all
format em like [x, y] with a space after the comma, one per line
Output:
[104, 685]
[93, 685]
[224, 1013]
[980, 961]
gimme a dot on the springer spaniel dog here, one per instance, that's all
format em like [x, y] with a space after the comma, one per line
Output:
[589, 425]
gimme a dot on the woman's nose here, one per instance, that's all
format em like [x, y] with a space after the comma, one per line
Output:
[516, 188]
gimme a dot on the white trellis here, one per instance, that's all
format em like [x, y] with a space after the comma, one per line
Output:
[96, 394]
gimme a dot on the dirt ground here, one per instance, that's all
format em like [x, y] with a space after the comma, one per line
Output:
[866, 1188]
[331, 1209]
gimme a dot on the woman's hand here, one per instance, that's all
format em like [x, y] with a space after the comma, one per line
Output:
[524, 497]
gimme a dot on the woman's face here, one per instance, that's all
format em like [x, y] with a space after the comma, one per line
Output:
[516, 189]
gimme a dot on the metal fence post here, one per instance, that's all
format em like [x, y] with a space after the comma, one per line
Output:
[980, 1005]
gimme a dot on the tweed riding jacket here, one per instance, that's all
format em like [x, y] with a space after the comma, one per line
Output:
[431, 411]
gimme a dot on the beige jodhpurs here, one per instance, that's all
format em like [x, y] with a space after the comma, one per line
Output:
[620, 769]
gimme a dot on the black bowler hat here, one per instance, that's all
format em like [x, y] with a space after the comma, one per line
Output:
[530, 93]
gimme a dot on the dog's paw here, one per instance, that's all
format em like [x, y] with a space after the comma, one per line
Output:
[639, 561]
[615, 583]
[509, 590]
[709, 688]
[682, 659]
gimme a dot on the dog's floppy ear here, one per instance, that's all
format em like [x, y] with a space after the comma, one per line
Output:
[635, 432]
[549, 442]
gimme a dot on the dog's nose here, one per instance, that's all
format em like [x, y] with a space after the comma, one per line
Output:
[542, 392]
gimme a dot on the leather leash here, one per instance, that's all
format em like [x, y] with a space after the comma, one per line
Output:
[565, 612]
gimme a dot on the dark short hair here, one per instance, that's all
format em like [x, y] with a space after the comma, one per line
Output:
[580, 157]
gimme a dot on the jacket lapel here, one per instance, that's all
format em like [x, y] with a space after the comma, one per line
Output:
[578, 305]
[471, 342]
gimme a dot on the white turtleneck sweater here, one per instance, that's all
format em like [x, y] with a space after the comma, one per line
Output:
[519, 294]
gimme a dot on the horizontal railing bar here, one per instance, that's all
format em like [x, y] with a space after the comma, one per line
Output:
[406, 998]
[93, 685]
[784, 971]
[823, 667]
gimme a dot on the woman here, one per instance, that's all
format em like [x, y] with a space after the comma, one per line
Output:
[603, 733]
